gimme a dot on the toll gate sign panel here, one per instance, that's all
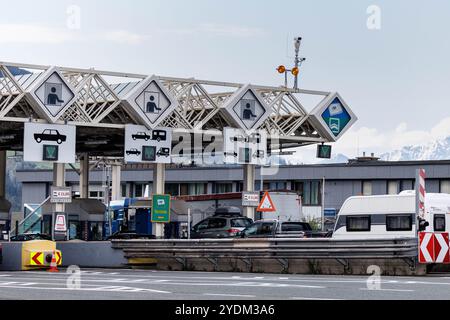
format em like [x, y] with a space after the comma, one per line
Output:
[49, 143]
[151, 146]
[242, 148]
[150, 101]
[51, 94]
[333, 117]
[246, 109]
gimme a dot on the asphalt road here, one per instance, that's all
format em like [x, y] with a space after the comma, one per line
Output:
[149, 284]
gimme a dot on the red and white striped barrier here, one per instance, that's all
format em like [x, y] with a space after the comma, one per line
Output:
[422, 193]
[434, 247]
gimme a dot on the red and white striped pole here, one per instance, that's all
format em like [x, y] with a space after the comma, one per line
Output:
[420, 196]
[421, 190]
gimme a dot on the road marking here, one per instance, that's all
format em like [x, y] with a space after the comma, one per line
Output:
[105, 289]
[305, 298]
[395, 290]
[229, 295]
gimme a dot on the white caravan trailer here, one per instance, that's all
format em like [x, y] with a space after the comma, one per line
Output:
[390, 216]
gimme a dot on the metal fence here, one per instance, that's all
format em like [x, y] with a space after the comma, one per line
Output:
[280, 249]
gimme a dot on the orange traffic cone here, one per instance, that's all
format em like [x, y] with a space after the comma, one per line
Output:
[53, 266]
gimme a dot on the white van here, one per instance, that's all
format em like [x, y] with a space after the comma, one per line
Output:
[390, 216]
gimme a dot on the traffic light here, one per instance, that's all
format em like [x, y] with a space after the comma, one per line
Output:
[50, 153]
[148, 153]
[281, 69]
[295, 71]
[323, 151]
[423, 224]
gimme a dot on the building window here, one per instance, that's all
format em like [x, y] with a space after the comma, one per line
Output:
[99, 195]
[393, 187]
[277, 185]
[367, 188]
[406, 185]
[358, 223]
[439, 222]
[172, 189]
[445, 186]
[309, 191]
[139, 190]
[196, 188]
[399, 222]
[123, 188]
[223, 187]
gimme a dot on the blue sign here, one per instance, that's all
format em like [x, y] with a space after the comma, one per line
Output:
[336, 117]
[329, 212]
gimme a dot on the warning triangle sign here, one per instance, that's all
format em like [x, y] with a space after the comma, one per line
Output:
[266, 204]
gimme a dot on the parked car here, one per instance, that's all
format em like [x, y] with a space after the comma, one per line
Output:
[50, 135]
[220, 226]
[31, 236]
[272, 228]
[130, 235]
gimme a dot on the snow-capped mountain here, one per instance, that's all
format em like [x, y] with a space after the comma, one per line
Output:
[436, 150]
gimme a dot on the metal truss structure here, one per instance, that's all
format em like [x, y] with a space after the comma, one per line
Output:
[99, 97]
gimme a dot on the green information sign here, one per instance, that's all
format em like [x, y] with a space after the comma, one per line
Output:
[50, 153]
[161, 208]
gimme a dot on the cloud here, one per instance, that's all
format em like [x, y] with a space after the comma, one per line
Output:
[33, 34]
[230, 30]
[216, 30]
[356, 141]
[124, 37]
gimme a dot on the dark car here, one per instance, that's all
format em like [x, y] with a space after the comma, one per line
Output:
[50, 135]
[133, 151]
[31, 236]
[141, 136]
[130, 235]
[272, 228]
[220, 226]
[163, 152]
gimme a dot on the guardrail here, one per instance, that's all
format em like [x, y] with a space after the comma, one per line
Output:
[281, 249]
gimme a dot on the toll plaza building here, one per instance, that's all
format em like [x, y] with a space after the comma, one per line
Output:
[224, 184]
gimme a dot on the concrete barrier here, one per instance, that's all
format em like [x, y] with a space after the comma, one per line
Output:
[95, 254]
[17, 256]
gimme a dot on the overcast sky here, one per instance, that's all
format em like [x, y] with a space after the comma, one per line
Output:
[395, 78]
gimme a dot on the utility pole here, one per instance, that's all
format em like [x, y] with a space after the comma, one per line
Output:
[297, 61]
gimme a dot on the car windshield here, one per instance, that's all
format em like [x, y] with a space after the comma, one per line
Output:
[216, 223]
[240, 222]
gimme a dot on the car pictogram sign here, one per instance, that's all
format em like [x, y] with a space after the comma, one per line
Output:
[266, 204]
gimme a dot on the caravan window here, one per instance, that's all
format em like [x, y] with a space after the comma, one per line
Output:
[399, 222]
[439, 222]
[358, 223]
